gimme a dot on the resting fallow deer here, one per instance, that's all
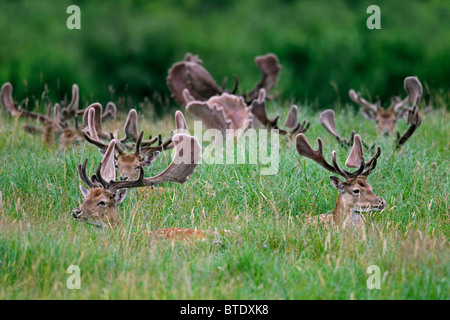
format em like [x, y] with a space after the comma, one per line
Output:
[355, 193]
[384, 118]
[128, 157]
[259, 112]
[101, 201]
[191, 75]
[56, 127]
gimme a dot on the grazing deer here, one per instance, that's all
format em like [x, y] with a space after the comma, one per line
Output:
[191, 75]
[355, 193]
[259, 112]
[385, 118]
[128, 157]
[53, 127]
[101, 201]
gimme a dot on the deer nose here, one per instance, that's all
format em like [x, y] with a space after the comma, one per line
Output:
[76, 213]
[123, 178]
[381, 203]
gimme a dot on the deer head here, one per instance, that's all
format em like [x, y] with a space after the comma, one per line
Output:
[355, 193]
[104, 194]
[128, 157]
[384, 118]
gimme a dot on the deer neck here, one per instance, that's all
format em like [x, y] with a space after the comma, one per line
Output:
[342, 211]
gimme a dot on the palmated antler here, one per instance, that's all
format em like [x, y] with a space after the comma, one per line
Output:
[270, 71]
[414, 88]
[368, 109]
[190, 74]
[327, 120]
[187, 157]
[222, 112]
[259, 111]
[354, 160]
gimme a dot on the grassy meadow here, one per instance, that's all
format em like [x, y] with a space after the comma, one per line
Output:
[272, 252]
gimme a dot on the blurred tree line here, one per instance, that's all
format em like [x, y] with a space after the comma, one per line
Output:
[125, 47]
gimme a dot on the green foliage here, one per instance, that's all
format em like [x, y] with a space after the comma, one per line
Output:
[129, 45]
[273, 251]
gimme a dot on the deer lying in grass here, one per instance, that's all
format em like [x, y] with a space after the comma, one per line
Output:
[128, 157]
[53, 127]
[191, 75]
[355, 193]
[101, 201]
[259, 112]
[414, 89]
[386, 118]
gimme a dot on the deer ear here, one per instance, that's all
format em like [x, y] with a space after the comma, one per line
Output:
[120, 196]
[84, 191]
[337, 184]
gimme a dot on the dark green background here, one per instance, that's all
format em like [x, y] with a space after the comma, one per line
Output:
[324, 47]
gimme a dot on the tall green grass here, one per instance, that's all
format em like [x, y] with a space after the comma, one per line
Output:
[273, 251]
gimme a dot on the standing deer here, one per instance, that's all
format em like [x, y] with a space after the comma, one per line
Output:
[355, 193]
[387, 118]
[101, 201]
[128, 157]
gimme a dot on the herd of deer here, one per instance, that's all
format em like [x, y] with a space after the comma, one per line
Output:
[124, 158]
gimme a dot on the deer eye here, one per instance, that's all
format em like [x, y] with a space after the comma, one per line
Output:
[356, 191]
[102, 203]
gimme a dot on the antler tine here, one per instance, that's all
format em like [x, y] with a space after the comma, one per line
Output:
[71, 109]
[414, 120]
[93, 135]
[259, 110]
[97, 120]
[372, 163]
[110, 111]
[131, 127]
[326, 118]
[236, 84]
[7, 99]
[83, 174]
[304, 148]
[414, 88]
[138, 143]
[356, 97]
[57, 117]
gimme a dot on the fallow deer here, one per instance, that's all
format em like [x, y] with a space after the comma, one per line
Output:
[56, 127]
[101, 201]
[128, 157]
[385, 118]
[355, 193]
[191, 75]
